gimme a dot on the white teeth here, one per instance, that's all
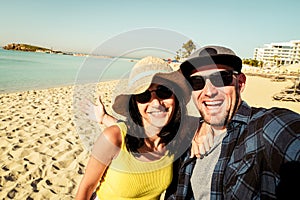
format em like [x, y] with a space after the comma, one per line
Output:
[213, 103]
[156, 112]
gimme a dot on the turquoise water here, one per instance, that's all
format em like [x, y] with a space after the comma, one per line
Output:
[21, 71]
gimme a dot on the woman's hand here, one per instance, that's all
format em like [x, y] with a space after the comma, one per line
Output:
[203, 141]
[95, 112]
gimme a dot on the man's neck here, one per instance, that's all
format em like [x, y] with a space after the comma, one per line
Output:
[218, 129]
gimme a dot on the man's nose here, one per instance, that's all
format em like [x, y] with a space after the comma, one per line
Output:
[209, 89]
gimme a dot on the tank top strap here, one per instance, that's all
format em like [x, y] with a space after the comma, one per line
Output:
[123, 129]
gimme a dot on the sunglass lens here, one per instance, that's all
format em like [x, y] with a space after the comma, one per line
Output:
[197, 82]
[224, 78]
[163, 92]
[143, 97]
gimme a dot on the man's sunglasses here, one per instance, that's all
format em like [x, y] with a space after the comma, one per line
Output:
[161, 92]
[218, 79]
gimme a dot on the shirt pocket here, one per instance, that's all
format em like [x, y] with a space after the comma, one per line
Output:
[241, 175]
[245, 164]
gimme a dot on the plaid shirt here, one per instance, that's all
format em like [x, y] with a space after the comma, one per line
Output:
[259, 144]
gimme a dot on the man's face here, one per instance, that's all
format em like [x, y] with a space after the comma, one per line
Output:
[217, 93]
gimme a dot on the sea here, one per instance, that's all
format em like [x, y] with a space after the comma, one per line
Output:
[22, 71]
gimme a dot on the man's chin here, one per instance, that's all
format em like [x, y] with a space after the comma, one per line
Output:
[214, 121]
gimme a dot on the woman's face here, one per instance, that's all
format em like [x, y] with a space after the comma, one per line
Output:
[156, 106]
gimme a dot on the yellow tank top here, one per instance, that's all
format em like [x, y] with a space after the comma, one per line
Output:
[129, 178]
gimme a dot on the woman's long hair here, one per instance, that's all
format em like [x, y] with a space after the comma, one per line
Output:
[135, 135]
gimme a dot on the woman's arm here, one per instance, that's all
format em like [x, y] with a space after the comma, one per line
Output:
[105, 149]
[93, 174]
[96, 112]
[203, 140]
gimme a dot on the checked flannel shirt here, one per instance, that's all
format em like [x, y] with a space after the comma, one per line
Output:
[259, 159]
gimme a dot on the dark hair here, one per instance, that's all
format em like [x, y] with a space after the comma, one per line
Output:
[134, 138]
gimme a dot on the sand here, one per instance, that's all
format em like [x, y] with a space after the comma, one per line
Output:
[259, 92]
[42, 156]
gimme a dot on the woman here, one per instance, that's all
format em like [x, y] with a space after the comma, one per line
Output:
[133, 159]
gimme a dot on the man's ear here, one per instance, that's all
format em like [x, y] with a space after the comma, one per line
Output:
[241, 81]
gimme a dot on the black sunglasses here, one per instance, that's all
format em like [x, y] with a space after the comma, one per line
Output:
[218, 79]
[161, 92]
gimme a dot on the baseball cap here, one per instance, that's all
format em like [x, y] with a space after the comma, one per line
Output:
[211, 55]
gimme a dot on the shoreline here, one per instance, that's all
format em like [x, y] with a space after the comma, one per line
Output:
[42, 155]
[251, 94]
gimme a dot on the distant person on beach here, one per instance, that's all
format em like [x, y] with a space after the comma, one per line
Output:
[256, 151]
[134, 158]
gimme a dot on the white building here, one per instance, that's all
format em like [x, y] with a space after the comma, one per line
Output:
[277, 54]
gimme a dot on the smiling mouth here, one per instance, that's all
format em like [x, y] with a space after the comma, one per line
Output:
[212, 104]
[158, 112]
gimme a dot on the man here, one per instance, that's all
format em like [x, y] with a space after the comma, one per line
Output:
[256, 151]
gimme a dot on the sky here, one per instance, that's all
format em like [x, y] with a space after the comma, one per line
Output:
[83, 26]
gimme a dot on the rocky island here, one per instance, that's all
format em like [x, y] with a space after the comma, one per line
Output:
[27, 47]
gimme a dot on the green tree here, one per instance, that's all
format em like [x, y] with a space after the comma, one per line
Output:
[186, 50]
[252, 62]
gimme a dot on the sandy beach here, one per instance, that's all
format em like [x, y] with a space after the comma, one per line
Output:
[42, 156]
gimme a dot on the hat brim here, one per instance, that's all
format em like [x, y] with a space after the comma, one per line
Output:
[173, 80]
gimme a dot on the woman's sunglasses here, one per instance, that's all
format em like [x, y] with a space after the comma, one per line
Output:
[218, 79]
[161, 92]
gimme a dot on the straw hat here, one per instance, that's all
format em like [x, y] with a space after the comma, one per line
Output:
[149, 70]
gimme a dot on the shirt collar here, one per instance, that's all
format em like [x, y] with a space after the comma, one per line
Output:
[243, 114]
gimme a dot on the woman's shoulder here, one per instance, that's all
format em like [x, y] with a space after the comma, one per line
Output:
[113, 134]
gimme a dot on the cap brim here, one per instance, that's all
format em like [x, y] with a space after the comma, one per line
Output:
[197, 62]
